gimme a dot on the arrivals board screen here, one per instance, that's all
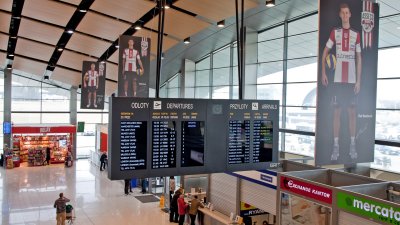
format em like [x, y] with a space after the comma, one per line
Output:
[166, 137]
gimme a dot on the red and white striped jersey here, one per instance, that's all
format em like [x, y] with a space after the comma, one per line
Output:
[347, 42]
[92, 74]
[130, 56]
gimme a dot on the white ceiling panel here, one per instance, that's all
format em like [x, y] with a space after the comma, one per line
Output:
[88, 45]
[179, 24]
[5, 19]
[6, 5]
[33, 49]
[212, 9]
[130, 10]
[112, 71]
[49, 11]
[3, 41]
[66, 76]
[102, 26]
[39, 31]
[29, 66]
[111, 87]
[73, 60]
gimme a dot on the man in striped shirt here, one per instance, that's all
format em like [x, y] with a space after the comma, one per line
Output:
[60, 205]
[130, 58]
[347, 77]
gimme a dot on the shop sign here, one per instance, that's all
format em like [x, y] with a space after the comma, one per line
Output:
[45, 130]
[369, 208]
[249, 210]
[306, 189]
[262, 177]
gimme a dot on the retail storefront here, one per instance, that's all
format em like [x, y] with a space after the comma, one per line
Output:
[30, 144]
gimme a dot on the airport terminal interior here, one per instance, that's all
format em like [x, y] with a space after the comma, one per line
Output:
[43, 44]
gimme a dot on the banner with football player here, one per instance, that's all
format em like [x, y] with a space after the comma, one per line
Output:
[134, 66]
[347, 73]
[93, 85]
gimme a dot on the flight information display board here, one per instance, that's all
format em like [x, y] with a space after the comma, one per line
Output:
[163, 144]
[166, 137]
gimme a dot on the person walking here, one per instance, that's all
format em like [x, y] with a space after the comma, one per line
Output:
[173, 208]
[194, 206]
[48, 155]
[128, 187]
[60, 205]
[181, 209]
[103, 159]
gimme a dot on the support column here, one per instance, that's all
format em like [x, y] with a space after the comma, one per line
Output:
[7, 142]
[251, 59]
[73, 116]
[187, 79]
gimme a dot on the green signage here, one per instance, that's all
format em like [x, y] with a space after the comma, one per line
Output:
[369, 208]
[81, 127]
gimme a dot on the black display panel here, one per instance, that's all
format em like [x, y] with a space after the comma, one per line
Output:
[163, 144]
[262, 141]
[166, 137]
[133, 144]
[192, 153]
[239, 141]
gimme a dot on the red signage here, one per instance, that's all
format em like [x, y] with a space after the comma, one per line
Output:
[37, 130]
[306, 189]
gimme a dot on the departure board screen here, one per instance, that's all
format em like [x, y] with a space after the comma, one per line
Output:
[262, 141]
[163, 144]
[150, 137]
[192, 146]
[239, 141]
[133, 145]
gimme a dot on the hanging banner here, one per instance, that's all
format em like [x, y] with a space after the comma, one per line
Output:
[134, 66]
[93, 85]
[347, 74]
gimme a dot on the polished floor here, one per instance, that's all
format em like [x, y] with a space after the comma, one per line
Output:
[27, 195]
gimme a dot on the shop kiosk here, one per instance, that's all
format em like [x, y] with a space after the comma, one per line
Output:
[308, 197]
[369, 204]
[30, 143]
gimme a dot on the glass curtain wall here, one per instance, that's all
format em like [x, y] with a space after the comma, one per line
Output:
[290, 75]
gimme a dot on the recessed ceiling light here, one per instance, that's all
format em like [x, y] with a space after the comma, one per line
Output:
[60, 49]
[221, 23]
[138, 27]
[103, 61]
[16, 17]
[11, 55]
[83, 10]
[70, 31]
[117, 46]
[13, 37]
[186, 40]
[9, 66]
[270, 3]
[46, 77]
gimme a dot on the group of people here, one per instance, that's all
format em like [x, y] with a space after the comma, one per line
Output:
[179, 207]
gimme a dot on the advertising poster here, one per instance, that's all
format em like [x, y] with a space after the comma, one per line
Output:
[93, 85]
[134, 66]
[347, 73]
[296, 210]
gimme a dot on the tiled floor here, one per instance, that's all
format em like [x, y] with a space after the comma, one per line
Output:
[27, 195]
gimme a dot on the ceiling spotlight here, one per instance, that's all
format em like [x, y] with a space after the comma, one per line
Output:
[70, 31]
[16, 17]
[221, 23]
[162, 55]
[186, 40]
[46, 77]
[80, 86]
[167, 6]
[9, 66]
[117, 46]
[82, 10]
[11, 55]
[270, 3]
[138, 27]
[13, 37]
[103, 61]
[60, 49]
